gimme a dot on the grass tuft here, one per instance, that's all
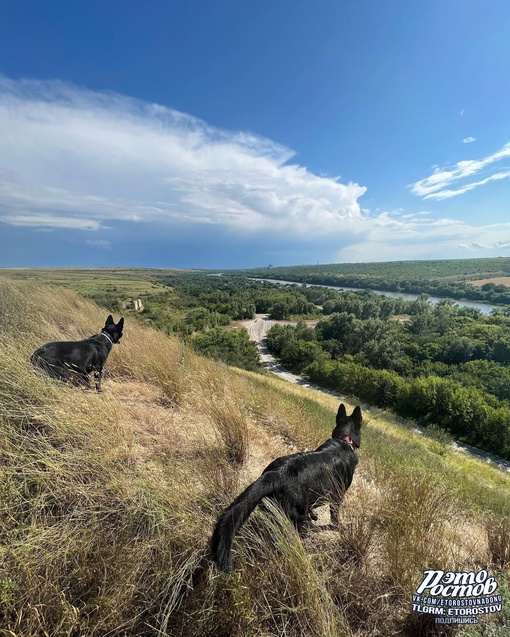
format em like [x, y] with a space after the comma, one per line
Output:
[498, 537]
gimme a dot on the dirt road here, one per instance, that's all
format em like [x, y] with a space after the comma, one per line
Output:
[257, 330]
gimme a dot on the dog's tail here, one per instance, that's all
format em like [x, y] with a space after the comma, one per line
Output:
[36, 359]
[232, 518]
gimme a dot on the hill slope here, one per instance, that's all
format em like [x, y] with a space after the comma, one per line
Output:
[107, 501]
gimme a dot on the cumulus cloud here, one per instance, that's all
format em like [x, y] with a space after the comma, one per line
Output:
[77, 159]
[436, 185]
[468, 140]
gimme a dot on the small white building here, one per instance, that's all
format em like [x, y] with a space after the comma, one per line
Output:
[133, 304]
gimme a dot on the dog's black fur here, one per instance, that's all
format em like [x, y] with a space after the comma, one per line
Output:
[297, 483]
[76, 359]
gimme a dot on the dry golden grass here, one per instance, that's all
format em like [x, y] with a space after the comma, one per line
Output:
[107, 501]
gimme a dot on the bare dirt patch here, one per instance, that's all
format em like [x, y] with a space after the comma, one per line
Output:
[500, 280]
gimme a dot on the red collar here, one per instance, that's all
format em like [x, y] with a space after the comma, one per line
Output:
[350, 442]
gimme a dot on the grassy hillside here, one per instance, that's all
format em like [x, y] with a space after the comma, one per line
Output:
[107, 501]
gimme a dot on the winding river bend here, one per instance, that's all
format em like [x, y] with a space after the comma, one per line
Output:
[485, 308]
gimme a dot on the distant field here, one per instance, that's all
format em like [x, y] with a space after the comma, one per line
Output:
[502, 280]
[132, 282]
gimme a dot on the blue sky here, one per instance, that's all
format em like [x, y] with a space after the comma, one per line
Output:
[234, 134]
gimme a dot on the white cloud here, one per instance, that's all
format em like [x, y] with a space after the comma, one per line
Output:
[468, 140]
[72, 158]
[435, 186]
[395, 239]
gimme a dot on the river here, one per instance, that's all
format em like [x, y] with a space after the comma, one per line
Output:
[485, 308]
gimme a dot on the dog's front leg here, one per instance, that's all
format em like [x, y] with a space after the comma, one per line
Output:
[334, 510]
[313, 515]
[98, 374]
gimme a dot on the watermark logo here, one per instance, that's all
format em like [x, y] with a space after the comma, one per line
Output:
[457, 598]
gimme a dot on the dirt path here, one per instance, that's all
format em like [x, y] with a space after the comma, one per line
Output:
[257, 330]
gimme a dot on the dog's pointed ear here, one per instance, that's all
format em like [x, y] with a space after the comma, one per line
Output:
[356, 415]
[109, 320]
[341, 414]
[120, 324]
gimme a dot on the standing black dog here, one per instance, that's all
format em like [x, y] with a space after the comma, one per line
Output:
[297, 483]
[76, 359]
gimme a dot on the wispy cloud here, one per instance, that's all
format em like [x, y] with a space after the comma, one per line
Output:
[448, 193]
[99, 243]
[435, 186]
[44, 220]
[476, 245]
[468, 140]
[473, 246]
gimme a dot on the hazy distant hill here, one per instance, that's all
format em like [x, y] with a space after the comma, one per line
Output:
[450, 269]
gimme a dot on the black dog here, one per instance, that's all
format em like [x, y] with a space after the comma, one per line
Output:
[76, 359]
[297, 483]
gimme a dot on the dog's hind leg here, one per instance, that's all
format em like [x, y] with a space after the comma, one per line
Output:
[79, 377]
[297, 510]
[98, 375]
[84, 378]
[334, 509]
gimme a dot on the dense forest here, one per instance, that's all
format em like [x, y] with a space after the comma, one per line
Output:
[440, 365]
